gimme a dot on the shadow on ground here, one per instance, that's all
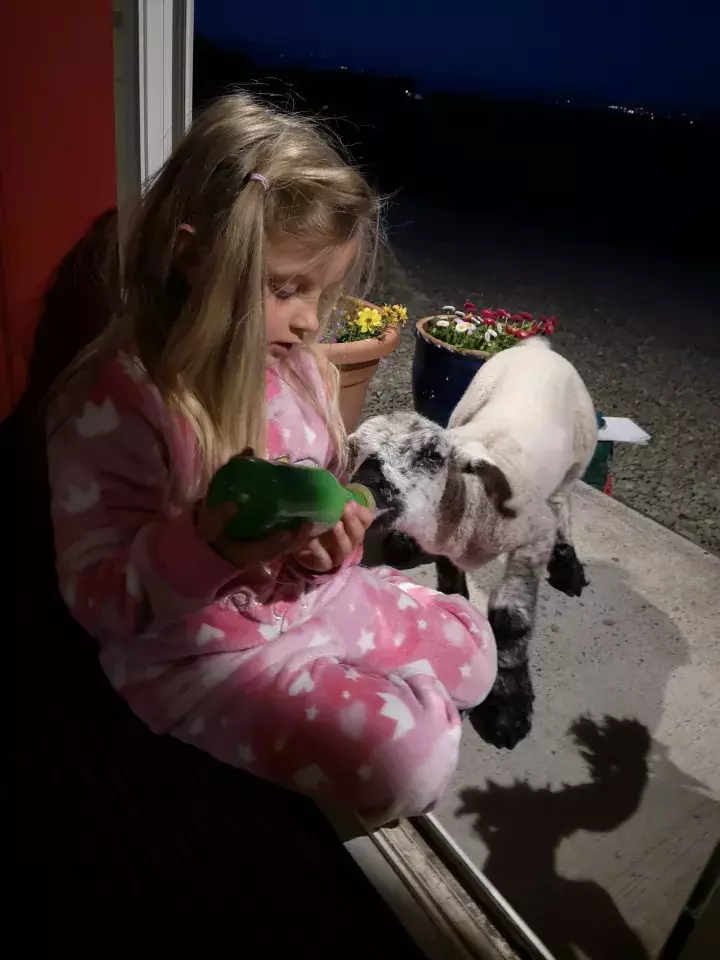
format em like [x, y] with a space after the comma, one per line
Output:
[523, 827]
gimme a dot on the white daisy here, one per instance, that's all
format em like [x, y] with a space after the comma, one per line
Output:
[449, 309]
[442, 323]
[462, 326]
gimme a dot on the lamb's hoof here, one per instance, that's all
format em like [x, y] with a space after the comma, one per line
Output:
[566, 573]
[501, 722]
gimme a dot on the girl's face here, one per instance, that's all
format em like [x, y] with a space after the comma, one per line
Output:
[296, 282]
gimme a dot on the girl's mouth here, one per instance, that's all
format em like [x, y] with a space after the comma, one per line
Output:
[280, 349]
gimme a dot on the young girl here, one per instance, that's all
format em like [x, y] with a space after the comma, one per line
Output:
[282, 657]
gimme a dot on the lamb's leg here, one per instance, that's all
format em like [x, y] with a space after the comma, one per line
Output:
[450, 579]
[505, 716]
[566, 573]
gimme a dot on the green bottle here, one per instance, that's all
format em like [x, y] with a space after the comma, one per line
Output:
[280, 496]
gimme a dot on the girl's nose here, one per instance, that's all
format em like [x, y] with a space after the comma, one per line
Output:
[305, 318]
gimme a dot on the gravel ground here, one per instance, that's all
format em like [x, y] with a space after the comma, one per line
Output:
[643, 332]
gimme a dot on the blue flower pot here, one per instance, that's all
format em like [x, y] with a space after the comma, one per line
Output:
[440, 375]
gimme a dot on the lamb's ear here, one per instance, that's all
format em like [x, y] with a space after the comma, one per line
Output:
[496, 485]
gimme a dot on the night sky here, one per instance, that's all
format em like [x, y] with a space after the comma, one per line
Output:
[626, 51]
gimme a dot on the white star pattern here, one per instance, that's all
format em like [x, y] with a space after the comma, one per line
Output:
[96, 420]
[365, 771]
[208, 632]
[345, 694]
[366, 641]
[351, 607]
[398, 711]
[303, 683]
[245, 753]
[466, 670]
[285, 433]
[310, 434]
[311, 713]
[422, 624]
[269, 630]
[352, 674]
[399, 639]
[310, 778]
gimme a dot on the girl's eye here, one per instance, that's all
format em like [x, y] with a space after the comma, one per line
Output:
[281, 291]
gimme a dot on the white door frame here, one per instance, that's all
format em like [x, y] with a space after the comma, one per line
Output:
[153, 87]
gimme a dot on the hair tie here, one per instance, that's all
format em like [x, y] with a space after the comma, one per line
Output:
[260, 179]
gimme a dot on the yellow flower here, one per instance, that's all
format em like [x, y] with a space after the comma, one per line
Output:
[395, 314]
[368, 320]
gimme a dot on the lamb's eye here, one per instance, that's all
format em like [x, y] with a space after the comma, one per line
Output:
[429, 456]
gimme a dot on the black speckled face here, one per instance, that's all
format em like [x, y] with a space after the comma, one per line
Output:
[403, 457]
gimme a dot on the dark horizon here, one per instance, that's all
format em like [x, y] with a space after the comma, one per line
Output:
[629, 56]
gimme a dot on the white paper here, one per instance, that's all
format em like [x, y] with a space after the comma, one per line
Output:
[622, 430]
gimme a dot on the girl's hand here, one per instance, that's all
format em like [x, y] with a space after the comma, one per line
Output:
[210, 525]
[325, 553]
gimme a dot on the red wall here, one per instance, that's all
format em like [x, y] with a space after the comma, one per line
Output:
[57, 155]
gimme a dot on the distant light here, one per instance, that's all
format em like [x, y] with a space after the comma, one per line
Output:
[692, 121]
[343, 68]
[567, 101]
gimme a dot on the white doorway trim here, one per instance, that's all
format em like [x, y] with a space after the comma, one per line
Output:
[153, 42]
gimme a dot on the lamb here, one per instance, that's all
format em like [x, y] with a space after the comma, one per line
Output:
[497, 481]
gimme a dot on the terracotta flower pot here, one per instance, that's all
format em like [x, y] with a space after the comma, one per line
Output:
[441, 374]
[357, 363]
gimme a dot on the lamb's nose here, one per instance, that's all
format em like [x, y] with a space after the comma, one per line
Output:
[370, 467]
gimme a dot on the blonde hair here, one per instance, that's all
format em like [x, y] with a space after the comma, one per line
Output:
[205, 347]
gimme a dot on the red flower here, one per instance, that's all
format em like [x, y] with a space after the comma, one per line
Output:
[534, 329]
[512, 331]
[502, 314]
[526, 316]
[516, 318]
[550, 326]
[523, 334]
[469, 307]
[488, 321]
[488, 314]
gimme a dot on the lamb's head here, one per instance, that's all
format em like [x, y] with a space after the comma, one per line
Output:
[418, 473]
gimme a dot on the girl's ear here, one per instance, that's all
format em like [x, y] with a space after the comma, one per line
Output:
[186, 254]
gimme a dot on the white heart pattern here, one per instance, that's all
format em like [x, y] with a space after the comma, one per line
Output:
[405, 602]
[206, 633]
[310, 778]
[95, 420]
[398, 711]
[303, 683]
[78, 500]
[418, 668]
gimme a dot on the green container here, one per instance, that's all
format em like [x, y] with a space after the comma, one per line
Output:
[279, 496]
[598, 470]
